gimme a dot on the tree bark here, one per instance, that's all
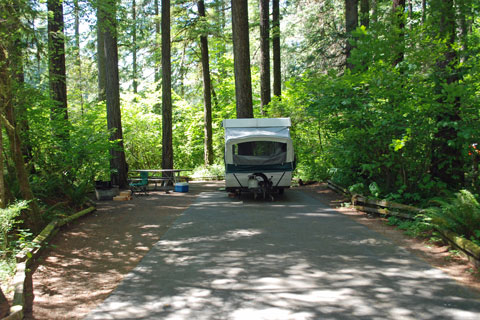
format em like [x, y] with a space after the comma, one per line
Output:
[410, 9]
[182, 71]
[447, 161]
[134, 47]
[56, 62]
[399, 30]
[78, 56]
[207, 97]
[241, 56]
[19, 100]
[365, 13]
[3, 200]
[8, 74]
[351, 23]
[156, 55]
[374, 11]
[424, 10]
[277, 66]
[4, 306]
[465, 15]
[101, 51]
[265, 91]
[114, 123]
[167, 148]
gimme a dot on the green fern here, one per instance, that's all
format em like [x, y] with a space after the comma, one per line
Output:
[8, 221]
[460, 214]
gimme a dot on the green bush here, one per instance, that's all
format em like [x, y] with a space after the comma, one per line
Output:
[12, 239]
[7, 222]
[460, 214]
[419, 227]
[215, 170]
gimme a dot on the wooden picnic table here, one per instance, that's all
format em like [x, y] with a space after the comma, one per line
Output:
[169, 176]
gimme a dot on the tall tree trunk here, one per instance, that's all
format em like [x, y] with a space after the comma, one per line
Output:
[207, 89]
[277, 66]
[4, 306]
[447, 161]
[223, 19]
[410, 9]
[16, 63]
[265, 91]
[351, 23]
[101, 50]
[157, 54]
[241, 56]
[374, 11]
[398, 11]
[214, 97]
[134, 46]
[9, 30]
[424, 10]
[114, 122]
[78, 56]
[365, 13]
[3, 200]
[32, 219]
[56, 65]
[182, 71]
[167, 147]
[465, 15]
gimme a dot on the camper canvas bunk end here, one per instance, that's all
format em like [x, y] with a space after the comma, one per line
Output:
[259, 155]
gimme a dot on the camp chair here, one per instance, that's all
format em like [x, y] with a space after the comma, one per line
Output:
[140, 185]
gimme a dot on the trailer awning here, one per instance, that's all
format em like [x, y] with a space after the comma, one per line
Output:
[238, 135]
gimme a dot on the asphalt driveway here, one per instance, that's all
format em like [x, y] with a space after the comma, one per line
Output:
[290, 259]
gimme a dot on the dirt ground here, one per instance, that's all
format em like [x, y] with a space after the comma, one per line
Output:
[87, 259]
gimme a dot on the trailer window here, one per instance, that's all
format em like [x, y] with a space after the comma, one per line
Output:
[259, 152]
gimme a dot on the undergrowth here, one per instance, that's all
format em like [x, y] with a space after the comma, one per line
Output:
[420, 227]
[212, 171]
[460, 214]
[12, 239]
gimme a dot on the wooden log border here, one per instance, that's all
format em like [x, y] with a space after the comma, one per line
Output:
[27, 255]
[388, 208]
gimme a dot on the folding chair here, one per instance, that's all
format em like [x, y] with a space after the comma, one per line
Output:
[141, 185]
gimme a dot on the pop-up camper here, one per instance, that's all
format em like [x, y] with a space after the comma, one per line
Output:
[259, 155]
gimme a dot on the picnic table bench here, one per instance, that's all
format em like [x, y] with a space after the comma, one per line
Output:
[166, 182]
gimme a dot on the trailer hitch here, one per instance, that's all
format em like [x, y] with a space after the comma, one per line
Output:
[265, 187]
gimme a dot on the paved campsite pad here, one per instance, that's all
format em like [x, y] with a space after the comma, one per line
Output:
[291, 259]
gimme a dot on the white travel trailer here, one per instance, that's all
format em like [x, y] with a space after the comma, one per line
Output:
[259, 155]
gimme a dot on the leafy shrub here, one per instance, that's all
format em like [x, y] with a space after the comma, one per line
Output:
[419, 227]
[460, 214]
[357, 188]
[8, 221]
[215, 170]
[12, 240]
[374, 189]
[63, 167]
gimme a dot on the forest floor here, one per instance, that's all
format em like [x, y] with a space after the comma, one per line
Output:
[88, 259]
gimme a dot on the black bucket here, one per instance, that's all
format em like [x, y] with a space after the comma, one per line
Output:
[101, 185]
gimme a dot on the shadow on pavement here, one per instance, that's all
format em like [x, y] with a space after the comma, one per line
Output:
[290, 259]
